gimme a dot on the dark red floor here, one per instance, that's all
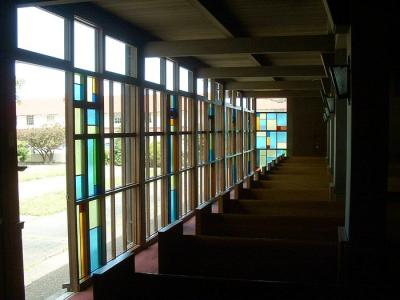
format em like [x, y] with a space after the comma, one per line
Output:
[146, 261]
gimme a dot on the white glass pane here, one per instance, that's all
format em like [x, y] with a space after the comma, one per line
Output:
[84, 46]
[40, 31]
[271, 104]
[183, 79]
[170, 75]
[152, 69]
[200, 86]
[115, 56]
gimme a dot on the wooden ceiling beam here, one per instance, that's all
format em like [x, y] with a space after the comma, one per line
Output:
[221, 16]
[331, 24]
[265, 71]
[26, 3]
[274, 85]
[283, 94]
[254, 45]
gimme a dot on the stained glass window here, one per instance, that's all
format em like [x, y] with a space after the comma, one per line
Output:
[104, 163]
[271, 125]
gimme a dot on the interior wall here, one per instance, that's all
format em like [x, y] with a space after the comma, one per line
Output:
[306, 128]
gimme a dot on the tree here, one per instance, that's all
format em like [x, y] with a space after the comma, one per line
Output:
[44, 140]
[22, 150]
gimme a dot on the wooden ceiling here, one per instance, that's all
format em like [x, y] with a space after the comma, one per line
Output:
[185, 20]
[237, 33]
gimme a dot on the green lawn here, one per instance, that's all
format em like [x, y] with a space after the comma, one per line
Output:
[34, 172]
[46, 204]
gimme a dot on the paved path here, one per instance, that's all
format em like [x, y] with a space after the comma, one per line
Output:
[45, 246]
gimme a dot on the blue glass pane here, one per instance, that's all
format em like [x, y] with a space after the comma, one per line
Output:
[282, 137]
[263, 124]
[174, 206]
[92, 117]
[261, 142]
[282, 120]
[95, 248]
[171, 148]
[79, 186]
[271, 116]
[78, 92]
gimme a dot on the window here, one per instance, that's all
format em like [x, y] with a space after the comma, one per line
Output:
[41, 31]
[184, 79]
[115, 56]
[84, 46]
[152, 69]
[271, 126]
[200, 86]
[120, 57]
[170, 80]
[105, 188]
[51, 118]
[30, 120]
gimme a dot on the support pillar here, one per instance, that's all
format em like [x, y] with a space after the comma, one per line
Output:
[11, 263]
[363, 259]
[339, 170]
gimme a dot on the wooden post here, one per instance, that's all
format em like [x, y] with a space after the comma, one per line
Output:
[11, 274]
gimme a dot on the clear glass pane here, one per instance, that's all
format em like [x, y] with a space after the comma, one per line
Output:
[115, 56]
[183, 79]
[200, 86]
[170, 75]
[152, 69]
[41, 31]
[84, 46]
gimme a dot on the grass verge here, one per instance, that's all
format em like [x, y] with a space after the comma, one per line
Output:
[46, 204]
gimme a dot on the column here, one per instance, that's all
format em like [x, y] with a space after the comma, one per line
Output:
[11, 265]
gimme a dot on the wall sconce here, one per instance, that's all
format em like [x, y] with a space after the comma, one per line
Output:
[340, 75]
[328, 102]
[325, 117]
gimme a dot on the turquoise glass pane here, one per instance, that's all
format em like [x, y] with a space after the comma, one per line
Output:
[282, 137]
[78, 87]
[171, 149]
[78, 92]
[271, 116]
[261, 142]
[174, 209]
[263, 124]
[92, 117]
[282, 119]
[95, 248]
[79, 186]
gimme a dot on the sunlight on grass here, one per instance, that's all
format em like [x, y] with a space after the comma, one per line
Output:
[46, 204]
[34, 172]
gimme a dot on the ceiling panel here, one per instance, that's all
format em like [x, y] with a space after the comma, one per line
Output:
[280, 17]
[236, 60]
[168, 20]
